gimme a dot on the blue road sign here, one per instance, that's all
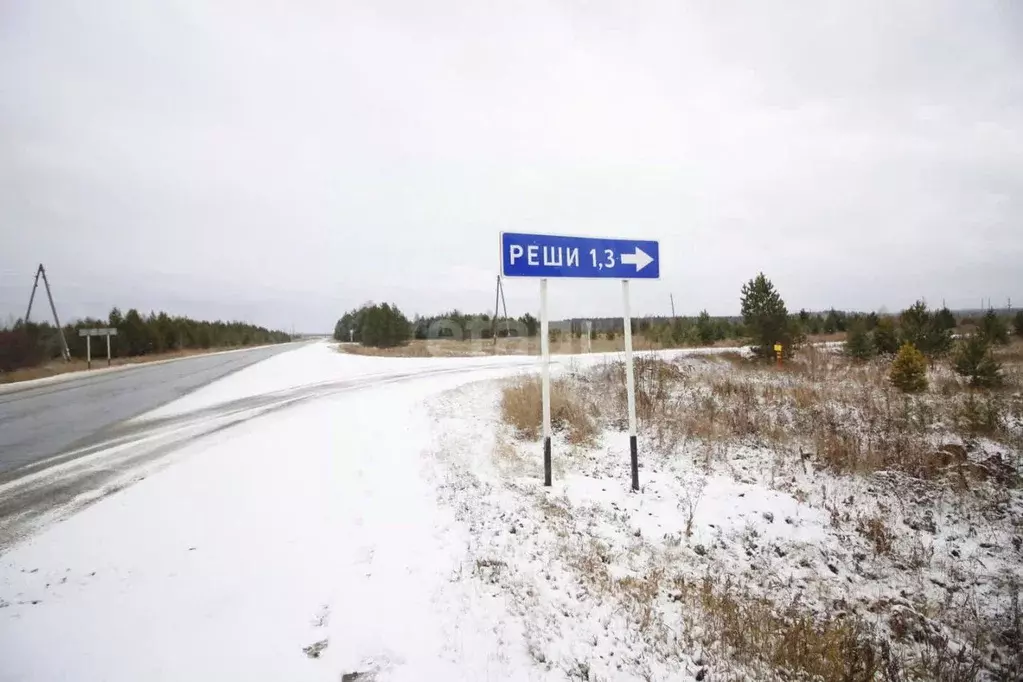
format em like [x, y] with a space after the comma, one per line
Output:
[546, 255]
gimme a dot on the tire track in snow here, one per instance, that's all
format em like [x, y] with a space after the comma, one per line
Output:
[45, 492]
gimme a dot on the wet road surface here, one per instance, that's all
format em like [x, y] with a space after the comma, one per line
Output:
[43, 420]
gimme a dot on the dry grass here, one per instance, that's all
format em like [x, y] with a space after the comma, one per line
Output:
[564, 345]
[730, 623]
[521, 408]
[877, 532]
[789, 641]
[844, 414]
[821, 411]
[734, 626]
[58, 367]
[821, 405]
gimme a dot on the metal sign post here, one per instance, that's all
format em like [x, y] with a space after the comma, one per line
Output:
[544, 256]
[88, 334]
[545, 372]
[630, 383]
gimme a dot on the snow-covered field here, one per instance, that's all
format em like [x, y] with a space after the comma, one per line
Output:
[740, 548]
[375, 519]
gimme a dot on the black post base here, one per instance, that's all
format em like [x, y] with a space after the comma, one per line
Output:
[635, 463]
[547, 461]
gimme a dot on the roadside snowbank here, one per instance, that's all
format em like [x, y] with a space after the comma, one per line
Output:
[302, 545]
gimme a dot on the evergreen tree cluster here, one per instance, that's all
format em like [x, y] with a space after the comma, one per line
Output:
[929, 332]
[30, 344]
[384, 326]
[923, 335]
[381, 325]
[453, 324]
[702, 330]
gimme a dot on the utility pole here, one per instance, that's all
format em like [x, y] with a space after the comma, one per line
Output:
[672, 297]
[504, 304]
[499, 298]
[60, 330]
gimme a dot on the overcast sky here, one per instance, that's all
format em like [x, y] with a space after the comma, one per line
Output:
[282, 162]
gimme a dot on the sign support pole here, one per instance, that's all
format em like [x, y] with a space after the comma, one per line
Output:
[545, 256]
[88, 352]
[630, 379]
[108, 350]
[545, 352]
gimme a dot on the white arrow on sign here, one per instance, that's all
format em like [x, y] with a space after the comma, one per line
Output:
[640, 259]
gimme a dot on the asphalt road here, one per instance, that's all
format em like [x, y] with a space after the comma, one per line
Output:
[48, 419]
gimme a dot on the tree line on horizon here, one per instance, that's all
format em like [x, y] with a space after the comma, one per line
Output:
[386, 324]
[29, 344]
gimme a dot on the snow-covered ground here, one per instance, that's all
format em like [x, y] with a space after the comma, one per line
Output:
[618, 586]
[341, 517]
[308, 527]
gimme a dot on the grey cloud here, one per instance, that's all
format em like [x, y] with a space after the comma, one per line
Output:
[287, 161]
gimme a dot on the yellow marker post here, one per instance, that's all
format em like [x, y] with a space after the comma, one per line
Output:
[778, 350]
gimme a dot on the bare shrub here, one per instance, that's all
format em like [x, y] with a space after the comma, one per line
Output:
[692, 494]
[522, 409]
[754, 630]
[656, 383]
[977, 415]
[813, 362]
[875, 530]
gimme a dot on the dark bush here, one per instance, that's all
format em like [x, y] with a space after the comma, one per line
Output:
[18, 349]
[973, 359]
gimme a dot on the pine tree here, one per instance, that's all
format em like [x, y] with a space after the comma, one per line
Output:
[909, 370]
[973, 359]
[913, 323]
[993, 328]
[924, 330]
[886, 340]
[705, 328]
[766, 317]
[858, 343]
[834, 322]
[530, 323]
[945, 319]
